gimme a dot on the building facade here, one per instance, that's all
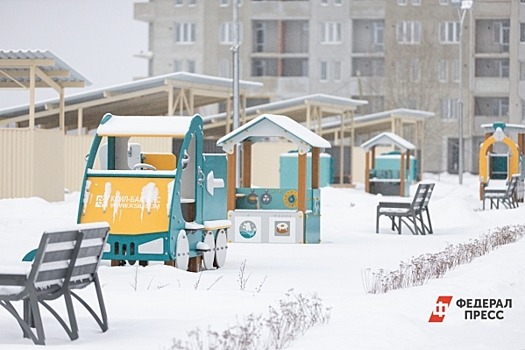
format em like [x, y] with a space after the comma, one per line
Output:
[392, 53]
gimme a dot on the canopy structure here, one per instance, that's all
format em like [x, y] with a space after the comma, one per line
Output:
[38, 69]
[267, 126]
[178, 93]
[270, 125]
[388, 139]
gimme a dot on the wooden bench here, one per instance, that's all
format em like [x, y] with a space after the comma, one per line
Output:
[66, 259]
[411, 214]
[505, 196]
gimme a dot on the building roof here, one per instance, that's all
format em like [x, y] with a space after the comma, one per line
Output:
[295, 107]
[387, 139]
[15, 70]
[271, 125]
[328, 101]
[149, 96]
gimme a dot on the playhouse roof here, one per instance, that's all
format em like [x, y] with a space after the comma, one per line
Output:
[490, 127]
[387, 139]
[271, 125]
[113, 125]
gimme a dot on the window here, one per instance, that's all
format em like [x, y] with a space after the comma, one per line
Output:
[294, 67]
[522, 32]
[331, 33]
[409, 32]
[455, 71]
[338, 2]
[323, 71]
[178, 2]
[402, 2]
[224, 68]
[492, 67]
[443, 2]
[259, 37]
[449, 32]
[264, 67]
[227, 33]
[185, 33]
[177, 65]
[336, 71]
[379, 33]
[416, 2]
[522, 111]
[368, 67]
[442, 71]
[408, 70]
[191, 66]
[501, 31]
[491, 106]
[224, 3]
[415, 71]
[449, 108]
[192, 2]
[324, 2]
[522, 73]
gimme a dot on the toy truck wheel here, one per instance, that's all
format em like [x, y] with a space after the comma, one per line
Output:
[182, 251]
[208, 257]
[221, 247]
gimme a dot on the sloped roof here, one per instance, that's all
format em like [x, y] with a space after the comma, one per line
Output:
[271, 125]
[387, 139]
[147, 96]
[294, 107]
[315, 99]
[15, 70]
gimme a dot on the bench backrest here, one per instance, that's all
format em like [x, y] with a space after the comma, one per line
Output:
[513, 183]
[95, 236]
[68, 258]
[54, 260]
[422, 196]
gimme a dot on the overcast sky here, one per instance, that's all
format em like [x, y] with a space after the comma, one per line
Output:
[97, 38]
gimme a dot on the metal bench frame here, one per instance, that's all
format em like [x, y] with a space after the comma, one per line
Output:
[411, 214]
[506, 196]
[65, 260]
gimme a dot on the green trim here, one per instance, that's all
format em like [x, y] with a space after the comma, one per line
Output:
[106, 118]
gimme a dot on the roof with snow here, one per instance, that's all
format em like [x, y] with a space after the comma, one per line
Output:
[170, 94]
[271, 125]
[50, 71]
[113, 125]
[388, 139]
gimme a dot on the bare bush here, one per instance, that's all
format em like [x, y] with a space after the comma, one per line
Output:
[293, 317]
[419, 270]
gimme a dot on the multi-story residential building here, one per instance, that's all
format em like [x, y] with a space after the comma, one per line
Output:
[393, 53]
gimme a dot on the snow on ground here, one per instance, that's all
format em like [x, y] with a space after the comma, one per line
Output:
[150, 306]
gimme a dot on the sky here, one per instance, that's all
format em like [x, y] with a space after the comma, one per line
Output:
[150, 306]
[97, 38]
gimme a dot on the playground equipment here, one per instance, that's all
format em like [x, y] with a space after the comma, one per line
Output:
[288, 167]
[275, 215]
[167, 207]
[390, 173]
[500, 157]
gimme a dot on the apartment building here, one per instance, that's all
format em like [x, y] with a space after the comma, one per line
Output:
[393, 53]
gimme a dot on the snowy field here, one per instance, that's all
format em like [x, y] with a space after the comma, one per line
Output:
[150, 306]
